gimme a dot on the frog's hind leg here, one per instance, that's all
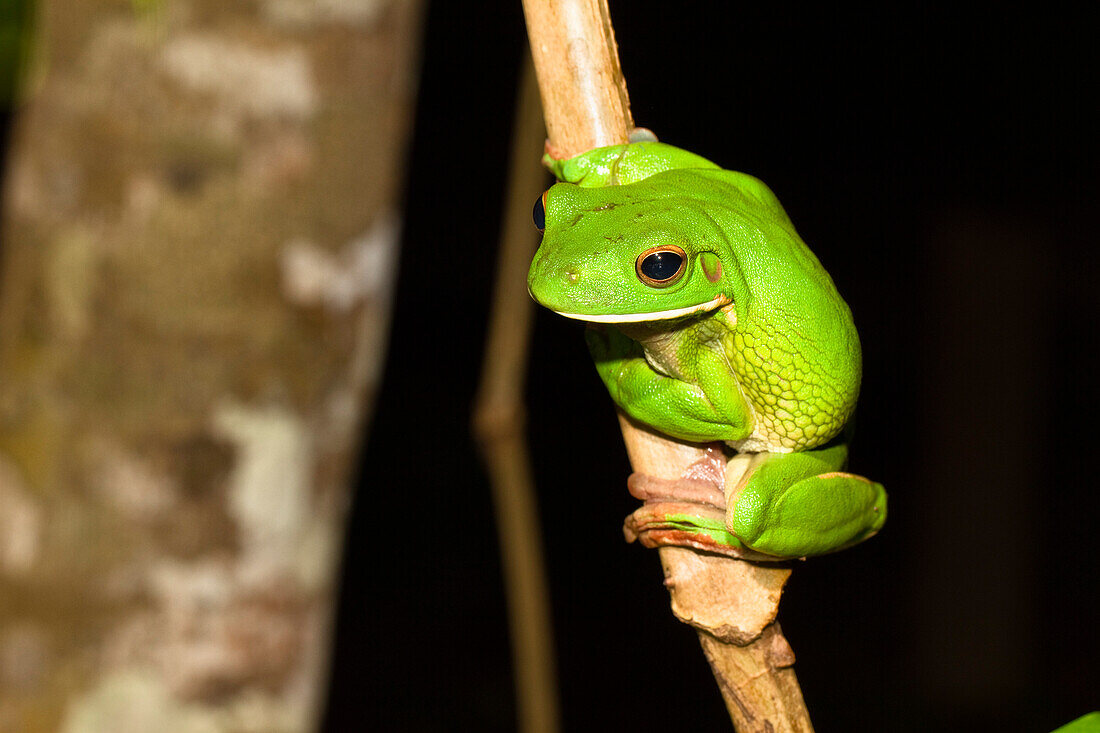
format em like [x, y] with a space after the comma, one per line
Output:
[799, 504]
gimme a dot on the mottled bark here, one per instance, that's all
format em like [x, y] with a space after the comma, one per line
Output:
[198, 248]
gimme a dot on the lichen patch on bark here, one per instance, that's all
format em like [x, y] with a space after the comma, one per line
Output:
[243, 78]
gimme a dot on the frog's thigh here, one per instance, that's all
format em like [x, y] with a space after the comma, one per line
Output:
[797, 504]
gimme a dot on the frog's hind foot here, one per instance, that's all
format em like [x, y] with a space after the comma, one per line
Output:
[689, 511]
[811, 516]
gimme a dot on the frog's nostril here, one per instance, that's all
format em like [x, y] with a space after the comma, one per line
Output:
[571, 276]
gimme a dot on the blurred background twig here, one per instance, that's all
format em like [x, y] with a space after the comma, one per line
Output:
[501, 429]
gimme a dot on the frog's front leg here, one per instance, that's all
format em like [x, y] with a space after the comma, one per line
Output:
[799, 504]
[675, 407]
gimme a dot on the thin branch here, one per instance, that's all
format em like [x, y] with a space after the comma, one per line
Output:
[584, 98]
[731, 602]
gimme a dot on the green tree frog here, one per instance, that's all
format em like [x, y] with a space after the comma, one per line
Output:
[713, 321]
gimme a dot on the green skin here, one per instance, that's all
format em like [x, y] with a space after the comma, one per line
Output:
[1085, 724]
[751, 345]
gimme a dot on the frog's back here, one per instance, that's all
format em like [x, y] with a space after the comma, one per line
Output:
[794, 347]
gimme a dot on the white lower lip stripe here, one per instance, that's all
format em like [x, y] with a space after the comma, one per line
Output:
[710, 305]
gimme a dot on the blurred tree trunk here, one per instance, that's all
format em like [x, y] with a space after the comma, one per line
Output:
[199, 243]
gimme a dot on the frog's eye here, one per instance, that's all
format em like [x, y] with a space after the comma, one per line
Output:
[659, 267]
[539, 212]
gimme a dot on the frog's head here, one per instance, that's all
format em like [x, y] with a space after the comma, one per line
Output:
[626, 254]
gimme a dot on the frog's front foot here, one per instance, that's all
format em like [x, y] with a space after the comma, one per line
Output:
[552, 152]
[783, 511]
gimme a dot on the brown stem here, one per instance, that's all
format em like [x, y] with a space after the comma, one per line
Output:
[584, 98]
[731, 602]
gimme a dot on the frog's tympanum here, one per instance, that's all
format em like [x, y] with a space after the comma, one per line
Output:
[713, 321]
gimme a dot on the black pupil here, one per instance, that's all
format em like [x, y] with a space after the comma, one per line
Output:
[661, 265]
[539, 214]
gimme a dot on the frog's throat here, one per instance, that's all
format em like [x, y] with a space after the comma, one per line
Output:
[710, 305]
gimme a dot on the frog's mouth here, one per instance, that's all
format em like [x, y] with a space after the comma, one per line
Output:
[706, 307]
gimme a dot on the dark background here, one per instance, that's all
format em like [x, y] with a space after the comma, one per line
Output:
[944, 166]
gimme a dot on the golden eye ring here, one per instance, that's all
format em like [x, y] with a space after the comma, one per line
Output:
[538, 212]
[659, 267]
